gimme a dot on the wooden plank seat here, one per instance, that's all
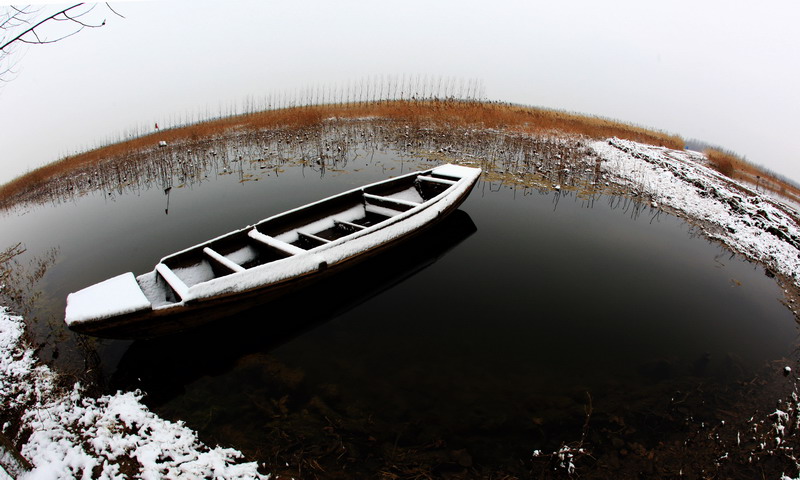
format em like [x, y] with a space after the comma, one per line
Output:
[442, 180]
[312, 238]
[222, 261]
[273, 242]
[350, 226]
[172, 280]
[389, 202]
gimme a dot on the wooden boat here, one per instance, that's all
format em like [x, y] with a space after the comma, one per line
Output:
[275, 256]
[264, 328]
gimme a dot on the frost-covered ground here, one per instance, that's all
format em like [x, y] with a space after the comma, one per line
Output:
[114, 436]
[746, 221]
[65, 434]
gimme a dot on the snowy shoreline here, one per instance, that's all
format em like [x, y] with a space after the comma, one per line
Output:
[747, 222]
[116, 436]
[73, 436]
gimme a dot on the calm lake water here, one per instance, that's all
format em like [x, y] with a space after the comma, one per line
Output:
[470, 347]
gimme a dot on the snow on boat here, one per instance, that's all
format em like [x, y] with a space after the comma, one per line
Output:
[271, 258]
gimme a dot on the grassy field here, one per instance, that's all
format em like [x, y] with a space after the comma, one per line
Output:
[472, 114]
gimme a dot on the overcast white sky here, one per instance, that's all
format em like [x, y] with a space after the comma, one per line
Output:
[726, 72]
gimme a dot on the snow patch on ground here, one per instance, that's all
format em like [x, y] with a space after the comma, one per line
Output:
[746, 221]
[74, 436]
[22, 380]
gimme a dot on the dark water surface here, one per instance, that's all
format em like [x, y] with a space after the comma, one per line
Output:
[471, 346]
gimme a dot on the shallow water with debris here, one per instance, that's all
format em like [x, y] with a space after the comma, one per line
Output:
[530, 319]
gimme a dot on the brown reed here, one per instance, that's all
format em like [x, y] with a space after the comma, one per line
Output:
[429, 112]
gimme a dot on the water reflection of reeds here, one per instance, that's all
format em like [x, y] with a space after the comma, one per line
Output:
[540, 162]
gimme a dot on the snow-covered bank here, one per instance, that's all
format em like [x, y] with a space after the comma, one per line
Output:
[746, 221]
[114, 436]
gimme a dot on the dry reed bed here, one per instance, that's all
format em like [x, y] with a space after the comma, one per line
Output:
[282, 132]
[541, 161]
[737, 168]
[286, 123]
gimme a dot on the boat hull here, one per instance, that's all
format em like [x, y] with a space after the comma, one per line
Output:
[237, 295]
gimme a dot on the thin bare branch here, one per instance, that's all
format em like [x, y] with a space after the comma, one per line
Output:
[45, 42]
[20, 26]
[82, 24]
[74, 18]
[19, 38]
[115, 12]
[16, 17]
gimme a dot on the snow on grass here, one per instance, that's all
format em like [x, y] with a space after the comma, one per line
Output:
[74, 436]
[114, 436]
[744, 220]
[22, 380]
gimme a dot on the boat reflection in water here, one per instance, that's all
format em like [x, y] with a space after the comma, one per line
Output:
[163, 366]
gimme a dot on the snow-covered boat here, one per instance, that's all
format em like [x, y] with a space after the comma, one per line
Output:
[271, 258]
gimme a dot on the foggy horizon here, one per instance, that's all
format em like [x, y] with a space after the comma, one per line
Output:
[719, 72]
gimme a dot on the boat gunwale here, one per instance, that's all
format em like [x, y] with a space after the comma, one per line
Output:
[300, 209]
[401, 215]
[225, 289]
[312, 256]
